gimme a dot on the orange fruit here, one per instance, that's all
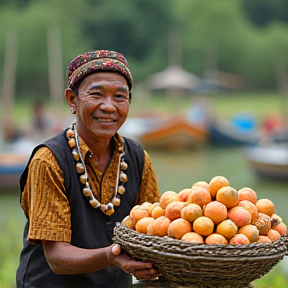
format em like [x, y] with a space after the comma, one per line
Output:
[150, 229]
[202, 184]
[141, 225]
[150, 206]
[250, 231]
[264, 239]
[216, 211]
[191, 212]
[173, 210]
[146, 205]
[228, 196]
[127, 221]
[193, 237]
[239, 239]
[199, 195]
[273, 235]
[216, 183]
[263, 223]
[265, 206]
[247, 194]
[177, 228]
[227, 228]
[250, 207]
[203, 226]
[239, 216]
[138, 213]
[215, 238]
[281, 228]
[168, 197]
[160, 226]
[184, 194]
[157, 212]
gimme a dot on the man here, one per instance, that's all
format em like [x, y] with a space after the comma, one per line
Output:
[78, 184]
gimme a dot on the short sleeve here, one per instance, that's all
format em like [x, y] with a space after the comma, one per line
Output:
[44, 201]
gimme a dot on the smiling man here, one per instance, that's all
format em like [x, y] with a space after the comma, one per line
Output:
[78, 184]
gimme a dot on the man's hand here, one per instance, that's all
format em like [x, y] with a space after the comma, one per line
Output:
[140, 270]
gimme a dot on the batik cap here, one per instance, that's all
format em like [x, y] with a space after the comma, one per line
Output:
[97, 61]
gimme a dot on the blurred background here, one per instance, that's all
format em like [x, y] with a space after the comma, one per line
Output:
[210, 95]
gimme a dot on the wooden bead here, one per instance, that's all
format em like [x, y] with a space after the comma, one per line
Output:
[94, 203]
[87, 192]
[121, 190]
[116, 201]
[72, 142]
[83, 179]
[109, 209]
[80, 168]
[70, 133]
[123, 177]
[124, 165]
[75, 155]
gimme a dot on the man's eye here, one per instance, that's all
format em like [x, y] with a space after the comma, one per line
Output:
[121, 96]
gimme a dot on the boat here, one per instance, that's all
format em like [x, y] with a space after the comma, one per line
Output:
[135, 127]
[13, 162]
[269, 160]
[174, 133]
[228, 133]
[11, 167]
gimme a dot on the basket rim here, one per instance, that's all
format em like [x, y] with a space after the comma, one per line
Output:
[199, 248]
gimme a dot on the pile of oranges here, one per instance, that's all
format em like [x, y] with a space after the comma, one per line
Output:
[210, 213]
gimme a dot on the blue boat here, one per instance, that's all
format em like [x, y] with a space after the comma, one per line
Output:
[233, 132]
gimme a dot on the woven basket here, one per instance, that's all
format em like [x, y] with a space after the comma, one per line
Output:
[204, 266]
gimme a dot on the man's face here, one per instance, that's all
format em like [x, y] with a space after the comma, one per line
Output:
[102, 105]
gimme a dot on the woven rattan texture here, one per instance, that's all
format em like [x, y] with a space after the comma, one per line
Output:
[208, 266]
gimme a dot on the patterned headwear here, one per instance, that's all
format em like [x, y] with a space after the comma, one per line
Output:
[97, 61]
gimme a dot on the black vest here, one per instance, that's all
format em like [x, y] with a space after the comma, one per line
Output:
[90, 227]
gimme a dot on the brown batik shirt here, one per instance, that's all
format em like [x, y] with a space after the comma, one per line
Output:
[44, 201]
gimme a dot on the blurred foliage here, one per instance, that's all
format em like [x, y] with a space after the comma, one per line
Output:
[262, 12]
[245, 37]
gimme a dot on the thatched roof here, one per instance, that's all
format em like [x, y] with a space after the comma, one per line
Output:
[173, 77]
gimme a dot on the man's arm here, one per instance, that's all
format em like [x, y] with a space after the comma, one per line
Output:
[64, 258]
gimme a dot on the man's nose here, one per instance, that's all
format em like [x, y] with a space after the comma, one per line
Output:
[108, 104]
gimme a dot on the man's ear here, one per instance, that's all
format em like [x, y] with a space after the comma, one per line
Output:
[70, 97]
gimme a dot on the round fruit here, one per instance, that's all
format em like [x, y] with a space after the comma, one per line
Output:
[251, 232]
[215, 238]
[173, 210]
[247, 194]
[191, 212]
[141, 225]
[178, 228]
[227, 228]
[216, 211]
[216, 183]
[265, 206]
[203, 226]
[168, 197]
[193, 237]
[228, 196]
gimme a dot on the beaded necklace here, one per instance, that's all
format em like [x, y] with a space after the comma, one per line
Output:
[122, 178]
